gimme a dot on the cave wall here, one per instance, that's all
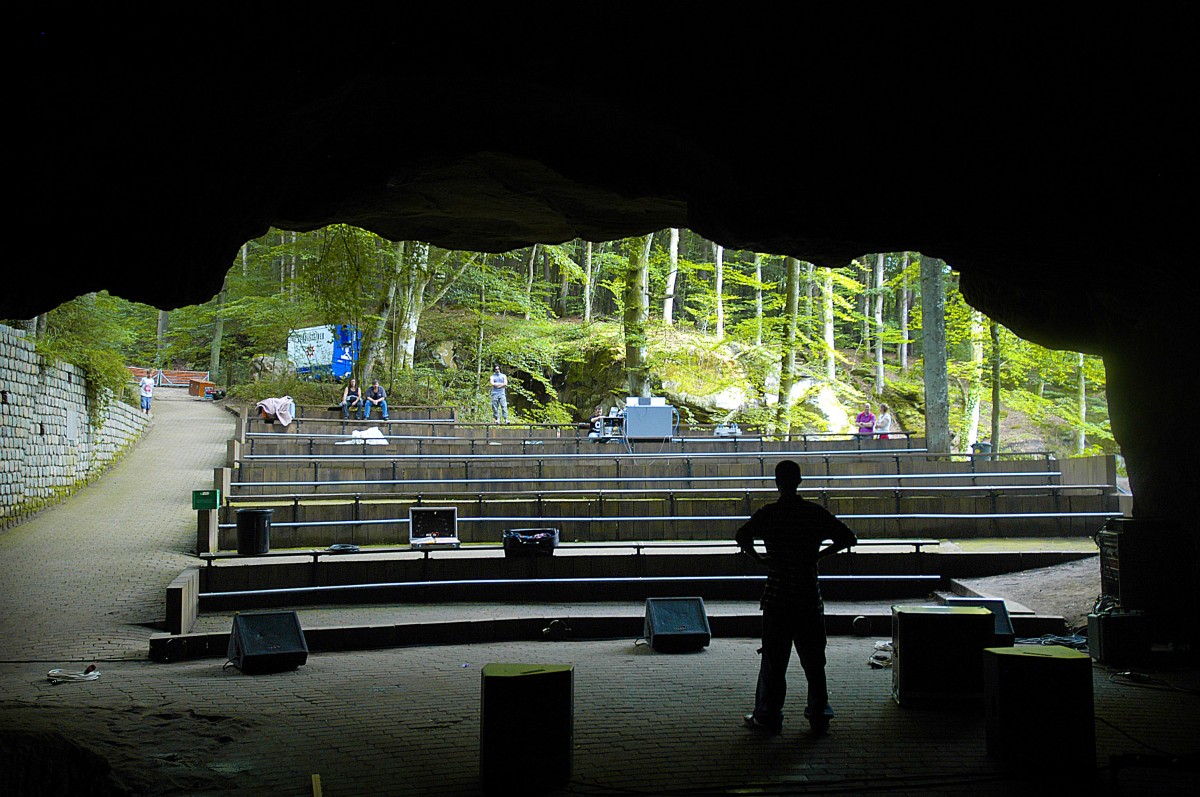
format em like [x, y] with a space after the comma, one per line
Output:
[1045, 155]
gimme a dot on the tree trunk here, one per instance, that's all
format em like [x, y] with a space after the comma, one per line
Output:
[995, 387]
[810, 284]
[879, 324]
[529, 282]
[214, 352]
[415, 276]
[864, 307]
[758, 303]
[787, 367]
[1081, 396]
[719, 266]
[636, 313]
[672, 276]
[933, 340]
[903, 296]
[827, 324]
[587, 282]
[164, 319]
[564, 290]
[373, 346]
[479, 349]
[974, 395]
[292, 268]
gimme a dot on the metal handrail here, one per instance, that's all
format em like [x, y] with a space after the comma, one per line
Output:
[654, 479]
[535, 520]
[882, 453]
[638, 547]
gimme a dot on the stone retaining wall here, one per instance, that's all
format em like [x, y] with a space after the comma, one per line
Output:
[48, 447]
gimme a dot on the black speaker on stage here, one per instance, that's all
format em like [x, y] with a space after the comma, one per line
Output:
[262, 643]
[676, 625]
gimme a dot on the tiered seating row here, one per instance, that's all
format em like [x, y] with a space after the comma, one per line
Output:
[677, 496]
[318, 473]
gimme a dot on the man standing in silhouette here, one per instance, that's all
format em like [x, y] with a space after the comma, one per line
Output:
[794, 531]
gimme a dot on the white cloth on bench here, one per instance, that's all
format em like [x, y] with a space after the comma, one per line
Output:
[370, 437]
[278, 408]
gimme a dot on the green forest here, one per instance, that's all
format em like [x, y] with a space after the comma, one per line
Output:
[770, 342]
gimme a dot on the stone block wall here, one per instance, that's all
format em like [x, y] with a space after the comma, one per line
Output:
[48, 447]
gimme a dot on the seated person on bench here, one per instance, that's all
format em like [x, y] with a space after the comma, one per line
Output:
[376, 397]
[351, 399]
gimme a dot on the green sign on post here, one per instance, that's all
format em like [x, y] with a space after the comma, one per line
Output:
[206, 499]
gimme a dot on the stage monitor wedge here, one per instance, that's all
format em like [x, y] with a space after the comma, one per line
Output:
[266, 643]
[676, 625]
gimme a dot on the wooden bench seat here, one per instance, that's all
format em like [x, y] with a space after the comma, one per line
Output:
[638, 548]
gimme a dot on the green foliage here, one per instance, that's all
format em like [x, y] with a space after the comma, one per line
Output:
[301, 391]
[340, 276]
[551, 412]
[87, 333]
[558, 371]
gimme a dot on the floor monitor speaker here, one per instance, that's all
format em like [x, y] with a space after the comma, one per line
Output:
[262, 643]
[676, 625]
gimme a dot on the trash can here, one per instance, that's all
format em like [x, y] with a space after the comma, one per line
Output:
[981, 448]
[253, 531]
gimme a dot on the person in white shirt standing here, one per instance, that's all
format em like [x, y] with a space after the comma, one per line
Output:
[499, 399]
[146, 390]
[884, 424]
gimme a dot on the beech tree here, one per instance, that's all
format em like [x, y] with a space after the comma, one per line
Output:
[587, 282]
[637, 306]
[933, 336]
[995, 358]
[904, 296]
[672, 277]
[973, 391]
[719, 287]
[879, 324]
[787, 367]
[827, 325]
[1081, 395]
[425, 276]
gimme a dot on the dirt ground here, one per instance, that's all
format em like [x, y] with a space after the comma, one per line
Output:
[1067, 590]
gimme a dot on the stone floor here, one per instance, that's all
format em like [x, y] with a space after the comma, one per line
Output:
[84, 583]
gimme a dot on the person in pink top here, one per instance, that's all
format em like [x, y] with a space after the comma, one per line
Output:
[866, 421]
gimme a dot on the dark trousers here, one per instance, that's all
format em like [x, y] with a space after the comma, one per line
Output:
[782, 629]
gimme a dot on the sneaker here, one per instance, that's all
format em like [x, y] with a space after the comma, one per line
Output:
[819, 722]
[755, 725]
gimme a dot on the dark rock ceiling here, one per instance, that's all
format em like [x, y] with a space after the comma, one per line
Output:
[1046, 155]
